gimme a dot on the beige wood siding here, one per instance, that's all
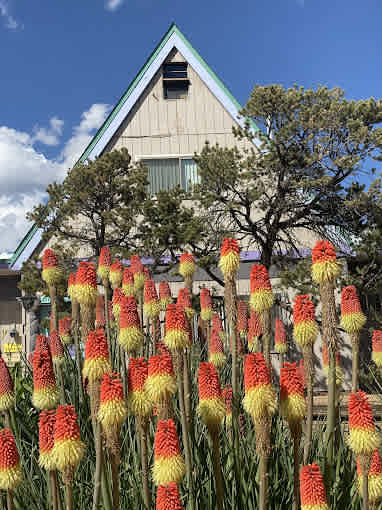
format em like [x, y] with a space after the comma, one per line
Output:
[159, 126]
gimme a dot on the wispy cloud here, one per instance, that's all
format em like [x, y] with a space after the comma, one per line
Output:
[10, 21]
[113, 5]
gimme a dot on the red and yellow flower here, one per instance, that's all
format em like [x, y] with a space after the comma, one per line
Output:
[97, 361]
[187, 265]
[374, 478]
[352, 317]
[254, 331]
[10, 471]
[218, 326]
[305, 329]
[56, 348]
[184, 300]
[128, 282]
[260, 398]
[68, 448]
[168, 461]
[104, 263]
[7, 391]
[64, 329]
[138, 399]
[139, 274]
[86, 291]
[229, 257]
[168, 497]
[72, 286]
[216, 354]
[130, 331]
[118, 297]
[100, 313]
[160, 384]
[112, 408]
[227, 397]
[325, 365]
[45, 392]
[281, 345]
[261, 297]
[151, 304]
[176, 331]
[242, 319]
[116, 274]
[312, 489]
[211, 404]
[325, 267]
[377, 348]
[206, 311]
[164, 295]
[292, 399]
[364, 439]
[51, 272]
[46, 425]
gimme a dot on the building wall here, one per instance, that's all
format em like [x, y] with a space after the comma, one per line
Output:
[11, 316]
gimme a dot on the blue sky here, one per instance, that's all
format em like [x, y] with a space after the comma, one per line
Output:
[64, 64]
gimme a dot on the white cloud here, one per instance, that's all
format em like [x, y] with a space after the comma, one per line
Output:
[25, 172]
[10, 21]
[112, 5]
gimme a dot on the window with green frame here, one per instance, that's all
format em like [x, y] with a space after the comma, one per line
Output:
[166, 173]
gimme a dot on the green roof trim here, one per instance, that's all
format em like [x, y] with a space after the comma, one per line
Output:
[173, 29]
[23, 244]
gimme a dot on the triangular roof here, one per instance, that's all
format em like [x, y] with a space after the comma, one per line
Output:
[172, 39]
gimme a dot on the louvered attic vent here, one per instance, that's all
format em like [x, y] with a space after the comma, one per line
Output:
[175, 80]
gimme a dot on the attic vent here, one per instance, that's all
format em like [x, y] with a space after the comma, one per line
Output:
[175, 80]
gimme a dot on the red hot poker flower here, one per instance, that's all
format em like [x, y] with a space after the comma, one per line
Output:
[364, 438]
[242, 318]
[100, 313]
[64, 329]
[10, 471]
[86, 284]
[51, 272]
[45, 391]
[229, 257]
[211, 405]
[312, 489]
[151, 301]
[261, 298]
[206, 311]
[56, 348]
[168, 462]
[187, 265]
[128, 282]
[254, 331]
[280, 337]
[47, 423]
[68, 448]
[138, 399]
[352, 318]
[377, 348]
[324, 262]
[7, 394]
[104, 263]
[116, 273]
[168, 497]
[130, 332]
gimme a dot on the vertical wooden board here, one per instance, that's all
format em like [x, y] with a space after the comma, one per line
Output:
[165, 145]
[183, 147]
[210, 111]
[190, 103]
[193, 143]
[180, 115]
[199, 105]
[155, 148]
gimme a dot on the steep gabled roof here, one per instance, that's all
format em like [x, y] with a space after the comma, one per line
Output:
[172, 39]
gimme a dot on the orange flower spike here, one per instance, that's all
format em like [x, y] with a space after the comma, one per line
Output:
[325, 364]
[46, 425]
[97, 361]
[187, 265]
[45, 392]
[64, 330]
[301, 371]
[151, 304]
[104, 263]
[218, 326]
[10, 471]
[305, 329]
[216, 354]
[56, 348]
[128, 282]
[7, 392]
[116, 273]
[352, 317]
[176, 333]
[137, 269]
[325, 267]
[375, 478]
[168, 462]
[42, 342]
[364, 438]
[227, 397]
[100, 313]
[312, 489]
[130, 332]
[72, 286]
[211, 405]
[138, 399]
[206, 311]
[292, 399]
[86, 284]
[242, 318]
[118, 297]
[260, 398]
[164, 295]
[68, 449]
[377, 348]
[254, 331]
[51, 272]
[281, 345]
[112, 408]
[168, 498]
[184, 300]
[261, 297]
[229, 258]
[160, 384]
